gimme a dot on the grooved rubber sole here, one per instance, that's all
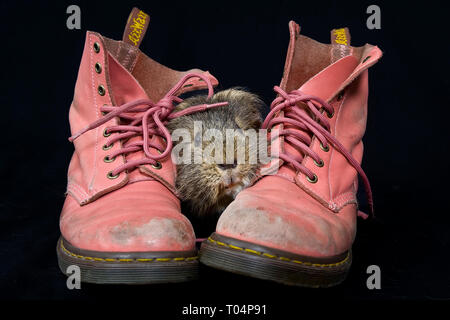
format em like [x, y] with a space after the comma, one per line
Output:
[126, 268]
[265, 263]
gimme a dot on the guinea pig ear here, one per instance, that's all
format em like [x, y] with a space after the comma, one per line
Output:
[249, 114]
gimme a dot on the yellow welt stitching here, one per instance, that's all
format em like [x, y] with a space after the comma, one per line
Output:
[163, 259]
[191, 258]
[144, 260]
[279, 257]
[253, 251]
[126, 260]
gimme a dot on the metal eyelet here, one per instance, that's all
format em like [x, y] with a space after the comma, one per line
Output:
[98, 68]
[107, 159]
[106, 147]
[340, 95]
[159, 151]
[330, 115]
[105, 133]
[96, 47]
[110, 175]
[104, 113]
[326, 149]
[313, 180]
[101, 90]
[319, 164]
[157, 165]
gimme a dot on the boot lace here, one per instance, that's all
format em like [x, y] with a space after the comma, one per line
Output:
[145, 119]
[311, 122]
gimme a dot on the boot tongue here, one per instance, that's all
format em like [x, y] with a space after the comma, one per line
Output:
[326, 83]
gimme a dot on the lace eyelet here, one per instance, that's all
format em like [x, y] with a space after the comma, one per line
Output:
[111, 176]
[326, 149]
[96, 47]
[106, 147]
[98, 68]
[107, 159]
[313, 180]
[340, 95]
[106, 134]
[330, 115]
[159, 151]
[319, 164]
[157, 165]
[101, 90]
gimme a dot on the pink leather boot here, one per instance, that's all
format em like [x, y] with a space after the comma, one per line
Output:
[121, 221]
[297, 225]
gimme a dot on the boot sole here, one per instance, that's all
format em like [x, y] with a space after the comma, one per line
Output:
[129, 267]
[248, 259]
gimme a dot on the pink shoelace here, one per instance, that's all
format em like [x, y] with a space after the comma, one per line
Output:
[145, 119]
[299, 118]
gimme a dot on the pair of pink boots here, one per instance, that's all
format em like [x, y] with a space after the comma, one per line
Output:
[121, 221]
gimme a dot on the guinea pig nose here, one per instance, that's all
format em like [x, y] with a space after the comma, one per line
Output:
[225, 166]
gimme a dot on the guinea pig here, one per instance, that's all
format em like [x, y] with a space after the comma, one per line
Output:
[208, 186]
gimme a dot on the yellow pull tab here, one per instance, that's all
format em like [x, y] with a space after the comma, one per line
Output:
[340, 36]
[136, 27]
[340, 41]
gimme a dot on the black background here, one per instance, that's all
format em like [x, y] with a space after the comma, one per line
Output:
[243, 43]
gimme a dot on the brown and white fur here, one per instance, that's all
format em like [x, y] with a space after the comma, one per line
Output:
[209, 187]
